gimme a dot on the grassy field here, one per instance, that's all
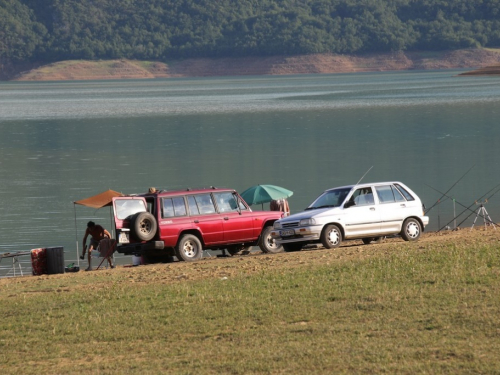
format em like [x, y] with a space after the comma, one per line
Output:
[426, 307]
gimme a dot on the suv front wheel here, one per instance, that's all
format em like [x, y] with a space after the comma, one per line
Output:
[189, 248]
[267, 243]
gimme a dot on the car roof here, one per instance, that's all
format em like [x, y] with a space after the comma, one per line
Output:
[367, 184]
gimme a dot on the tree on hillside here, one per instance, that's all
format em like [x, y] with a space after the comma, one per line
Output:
[53, 30]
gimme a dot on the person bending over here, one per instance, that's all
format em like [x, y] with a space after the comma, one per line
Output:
[96, 233]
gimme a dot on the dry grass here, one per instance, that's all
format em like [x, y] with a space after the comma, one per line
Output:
[398, 307]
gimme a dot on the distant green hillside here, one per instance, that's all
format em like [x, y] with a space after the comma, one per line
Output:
[53, 30]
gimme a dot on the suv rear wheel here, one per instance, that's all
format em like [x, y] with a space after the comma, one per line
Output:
[189, 248]
[143, 226]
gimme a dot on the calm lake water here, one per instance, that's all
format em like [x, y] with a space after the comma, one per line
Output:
[64, 141]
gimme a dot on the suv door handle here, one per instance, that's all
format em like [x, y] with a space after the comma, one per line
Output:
[196, 221]
[403, 205]
[372, 208]
[226, 218]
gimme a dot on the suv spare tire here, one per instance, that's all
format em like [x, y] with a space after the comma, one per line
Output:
[143, 226]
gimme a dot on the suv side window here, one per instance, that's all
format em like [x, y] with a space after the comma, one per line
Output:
[226, 202]
[174, 207]
[193, 207]
[201, 204]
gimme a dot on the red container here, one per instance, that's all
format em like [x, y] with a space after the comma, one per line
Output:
[39, 261]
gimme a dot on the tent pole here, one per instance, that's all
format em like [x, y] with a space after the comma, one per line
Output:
[112, 226]
[76, 238]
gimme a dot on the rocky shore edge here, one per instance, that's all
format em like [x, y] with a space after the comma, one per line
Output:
[486, 61]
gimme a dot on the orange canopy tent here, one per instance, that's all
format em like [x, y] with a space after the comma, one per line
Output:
[100, 200]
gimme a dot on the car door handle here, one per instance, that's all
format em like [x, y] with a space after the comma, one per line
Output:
[403, 205]
[372, 208]
[196, 221]
[226, 218]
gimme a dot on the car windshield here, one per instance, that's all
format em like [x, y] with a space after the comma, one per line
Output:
[126, 207]
[330, 198]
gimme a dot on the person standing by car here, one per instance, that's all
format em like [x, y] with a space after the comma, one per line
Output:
[97, 233]
[280, 205]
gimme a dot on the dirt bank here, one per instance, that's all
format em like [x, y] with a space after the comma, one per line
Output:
[275, 65]
[257, 262]
[486, 71]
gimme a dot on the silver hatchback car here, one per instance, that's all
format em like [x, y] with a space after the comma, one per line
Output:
[365, 211]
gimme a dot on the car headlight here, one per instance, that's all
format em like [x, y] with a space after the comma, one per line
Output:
[277, 225]
[305, 222]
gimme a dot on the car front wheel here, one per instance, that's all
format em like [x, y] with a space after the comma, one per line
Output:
[331, 236]
[189, 248]
[411, 230]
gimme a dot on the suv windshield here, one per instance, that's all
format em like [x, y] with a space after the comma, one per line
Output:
[330, 198]
[126, 207]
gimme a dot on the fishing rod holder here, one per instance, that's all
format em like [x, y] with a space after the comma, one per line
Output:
[481, 211]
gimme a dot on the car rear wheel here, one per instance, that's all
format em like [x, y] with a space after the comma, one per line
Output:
[143, 226]
[189, 248]
[411, 230]
[331, 236]
[267, 243]
[291, 247]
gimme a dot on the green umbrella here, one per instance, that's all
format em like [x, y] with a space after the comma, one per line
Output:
[265, 193]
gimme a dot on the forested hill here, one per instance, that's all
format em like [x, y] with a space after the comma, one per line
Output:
[53, 30]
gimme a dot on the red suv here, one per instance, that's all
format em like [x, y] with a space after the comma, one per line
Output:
[183, 223]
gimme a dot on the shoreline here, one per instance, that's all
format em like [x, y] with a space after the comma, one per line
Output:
[487, 61]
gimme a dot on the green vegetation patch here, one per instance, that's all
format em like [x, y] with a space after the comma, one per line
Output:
[425, 311]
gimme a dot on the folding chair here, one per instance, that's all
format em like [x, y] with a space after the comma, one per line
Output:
[106, 249]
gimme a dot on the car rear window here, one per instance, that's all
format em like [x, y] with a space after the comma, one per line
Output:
[405, 192]
[389, 194]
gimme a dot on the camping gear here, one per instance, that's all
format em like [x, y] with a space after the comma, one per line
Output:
[39, 261]
[55, 260]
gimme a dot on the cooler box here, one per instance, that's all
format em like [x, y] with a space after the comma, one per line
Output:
[39, 261]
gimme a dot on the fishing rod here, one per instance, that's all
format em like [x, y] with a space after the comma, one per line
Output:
[447, 191]
[497, 187]
[466, 208]
[369, 169]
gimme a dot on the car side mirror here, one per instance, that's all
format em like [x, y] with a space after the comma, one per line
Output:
[349, 204]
